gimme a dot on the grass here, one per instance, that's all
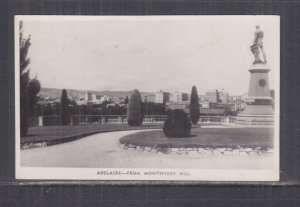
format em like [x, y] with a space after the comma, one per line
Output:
[206, 137]
[60, 134]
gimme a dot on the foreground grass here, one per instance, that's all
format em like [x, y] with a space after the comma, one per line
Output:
[206, 137]
[61, 134]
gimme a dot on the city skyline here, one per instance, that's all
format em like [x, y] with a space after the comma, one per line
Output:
[124, 53]
[150, 92]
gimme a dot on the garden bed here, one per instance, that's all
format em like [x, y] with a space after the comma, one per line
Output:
[233, 138]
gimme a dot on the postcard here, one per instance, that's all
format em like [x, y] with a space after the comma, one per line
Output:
[147, 98]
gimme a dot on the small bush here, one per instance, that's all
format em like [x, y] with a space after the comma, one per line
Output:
[177, 124]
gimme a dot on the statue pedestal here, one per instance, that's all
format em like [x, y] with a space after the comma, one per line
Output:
[259, 110]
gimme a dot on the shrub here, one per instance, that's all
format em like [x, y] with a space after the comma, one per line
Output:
[135, 114]
[177, 124]
[65, 119]
[194, 106]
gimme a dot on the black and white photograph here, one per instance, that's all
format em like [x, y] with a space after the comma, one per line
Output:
[166, 98]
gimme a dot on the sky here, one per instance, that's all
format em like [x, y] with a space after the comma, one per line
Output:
[149, 53]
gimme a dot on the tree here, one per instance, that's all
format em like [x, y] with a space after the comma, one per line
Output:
[64, 112]
[24, 80]
[29, 88]
[126, 100]
[135, 113]
[194, 106]
[34, 88]
[154, 108]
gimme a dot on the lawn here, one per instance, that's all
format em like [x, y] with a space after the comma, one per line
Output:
[206, 137]
[60, 134]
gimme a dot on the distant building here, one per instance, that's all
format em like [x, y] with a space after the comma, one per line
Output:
[178, 105]
[238, 103]
[176, 97]
[204, 104]
[211, 96]
[203, 111]
[122, 99]
[215, 96]
[104, 98]
[89, 99]
[244, 96]
[223, 96]
[162, 97]
[189, 97]
[185, 97]
[81, 102]
[208, 105]
[117, 99]
[89, 96]
[149, 98]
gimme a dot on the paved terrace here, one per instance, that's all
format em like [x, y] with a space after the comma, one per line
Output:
[103, 151]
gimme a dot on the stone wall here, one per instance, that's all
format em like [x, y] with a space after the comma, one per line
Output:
[205, 151]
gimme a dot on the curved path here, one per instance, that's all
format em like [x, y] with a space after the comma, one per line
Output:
[102, 151]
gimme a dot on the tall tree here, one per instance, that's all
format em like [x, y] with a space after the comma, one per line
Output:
[194, 106]
[34, 88]
[64, 112]
[29, 88]
[135, 113]
[24, 80]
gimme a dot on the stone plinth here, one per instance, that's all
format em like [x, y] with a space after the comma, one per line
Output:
[259, 110]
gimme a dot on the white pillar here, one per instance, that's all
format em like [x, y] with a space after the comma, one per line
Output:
[41, 121]
[227, 119]
[72, 121]
[120, 119]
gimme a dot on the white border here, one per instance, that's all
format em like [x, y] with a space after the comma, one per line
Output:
[91, 173]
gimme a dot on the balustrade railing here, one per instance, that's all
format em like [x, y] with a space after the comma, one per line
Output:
[119, 119]
[217, 119]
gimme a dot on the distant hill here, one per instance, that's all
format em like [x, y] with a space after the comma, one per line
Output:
[76, 94]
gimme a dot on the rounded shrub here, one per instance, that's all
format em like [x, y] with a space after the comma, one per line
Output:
[177, 124]
[135, 114]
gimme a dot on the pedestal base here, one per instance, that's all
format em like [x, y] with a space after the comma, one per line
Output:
[259, 115]
[259, 111]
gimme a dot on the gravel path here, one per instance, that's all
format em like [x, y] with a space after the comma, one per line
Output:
[103, 151]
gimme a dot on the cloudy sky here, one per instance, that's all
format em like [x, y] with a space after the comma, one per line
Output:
[149, 53]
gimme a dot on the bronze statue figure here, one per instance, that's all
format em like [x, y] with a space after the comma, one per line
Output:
[258, 45]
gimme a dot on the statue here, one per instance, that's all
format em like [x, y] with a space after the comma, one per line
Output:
[258, 46]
